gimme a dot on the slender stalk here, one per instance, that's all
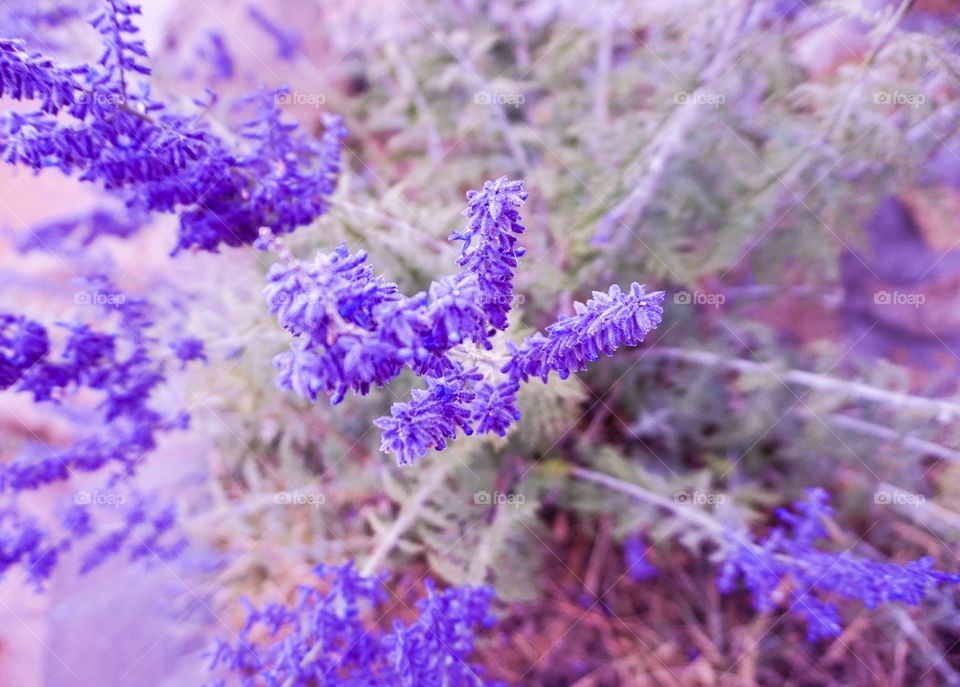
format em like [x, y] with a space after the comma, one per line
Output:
[692, 515]
[408, 515]
[944, 409]
[876, 431]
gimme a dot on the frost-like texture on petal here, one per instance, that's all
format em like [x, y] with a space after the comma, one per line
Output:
[490, 247]
[430, 418]
[356, 331]
[607, 322]
[790, 554]
[336, 294]
[495, 407]
[456, 313]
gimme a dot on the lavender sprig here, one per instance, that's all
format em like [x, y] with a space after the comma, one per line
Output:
[490, 248]
[157, 160]
[787, 559]
[601, 326]
[354, 331]
[326, 637]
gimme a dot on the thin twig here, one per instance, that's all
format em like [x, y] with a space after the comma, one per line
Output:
[408, 515]
[943, 409]
[876, 431]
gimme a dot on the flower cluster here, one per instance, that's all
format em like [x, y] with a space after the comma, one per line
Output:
[94, 121]
[122, 369]
[325, 637]
[786, 566]
[73, 233]
[355, 331]
[490, 247]
[145, 529]
[119, 366]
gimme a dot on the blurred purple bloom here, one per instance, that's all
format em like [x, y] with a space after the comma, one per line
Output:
[85, 228]
[217, 53]
[117, 134]
[789, 554]
[639, 568]
[288, 43]
[122, 52]
[326, 636]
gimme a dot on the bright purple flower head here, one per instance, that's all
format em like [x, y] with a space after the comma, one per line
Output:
[606, 322]
[490, 247]
[430, 418]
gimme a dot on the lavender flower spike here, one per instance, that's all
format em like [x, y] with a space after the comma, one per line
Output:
[790, 553]
[490, 247]
[607, 321]
[430, 417]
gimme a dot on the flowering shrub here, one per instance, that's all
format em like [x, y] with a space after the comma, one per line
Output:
[789, 211]
[355, 331]
[324, 637]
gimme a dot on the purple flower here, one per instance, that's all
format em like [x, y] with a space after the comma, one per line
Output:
[117, 134]
[606, 322]
[490, 247]
[23, 344]
[288, 42]
[25, 76]
[430, 418]
[495, 407]
[639, 568]
[188, 349]
[789, 554]
[84, 229]
[332, 638]
[355, 331]
[217, 53]
[456, 313]
[122, 52]
[335, 295]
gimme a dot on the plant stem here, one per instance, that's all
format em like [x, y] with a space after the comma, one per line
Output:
[408, 515]
[945, 410]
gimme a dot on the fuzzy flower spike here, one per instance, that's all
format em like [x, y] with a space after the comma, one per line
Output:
[354, 331]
